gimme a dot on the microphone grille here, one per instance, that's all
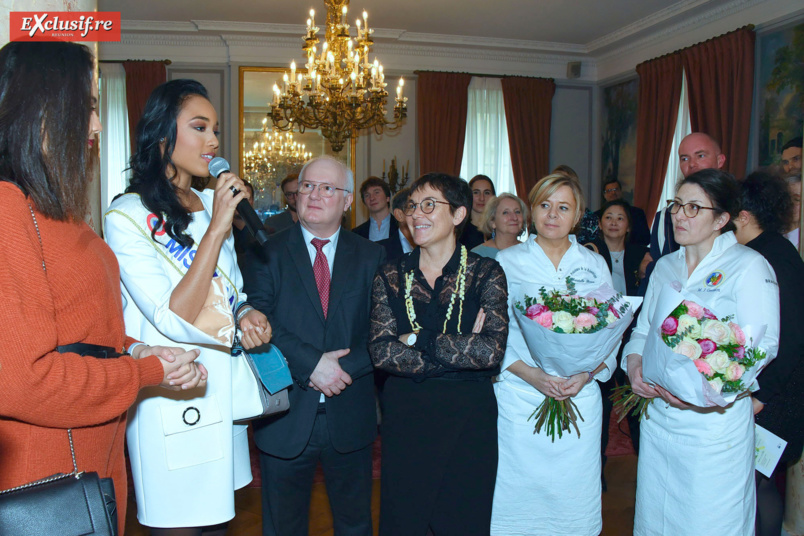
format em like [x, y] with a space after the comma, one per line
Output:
[217, 166]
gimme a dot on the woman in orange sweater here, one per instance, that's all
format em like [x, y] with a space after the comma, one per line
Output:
[60, 283]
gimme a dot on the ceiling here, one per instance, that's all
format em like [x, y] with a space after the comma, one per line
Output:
[579, 26]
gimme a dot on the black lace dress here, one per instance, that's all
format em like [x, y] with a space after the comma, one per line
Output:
[439, 428]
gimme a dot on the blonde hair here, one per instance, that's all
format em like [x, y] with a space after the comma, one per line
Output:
[490, 212]
[548, 185]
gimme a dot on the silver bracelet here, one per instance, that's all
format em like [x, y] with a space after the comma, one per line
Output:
[243, 313]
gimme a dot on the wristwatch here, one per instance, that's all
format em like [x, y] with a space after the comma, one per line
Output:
[411, 340]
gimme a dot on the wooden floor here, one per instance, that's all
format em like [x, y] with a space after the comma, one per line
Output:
[618, 506]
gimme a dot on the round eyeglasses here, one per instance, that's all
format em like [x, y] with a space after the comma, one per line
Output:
[324, 189]
[427, 205]
[690, 209]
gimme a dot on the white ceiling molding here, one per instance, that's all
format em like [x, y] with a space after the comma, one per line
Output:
[492, 42]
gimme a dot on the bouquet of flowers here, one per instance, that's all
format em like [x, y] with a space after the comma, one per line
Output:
[700, 358]
[567, 334]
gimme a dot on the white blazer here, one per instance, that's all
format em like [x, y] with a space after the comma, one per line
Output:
[187, 457]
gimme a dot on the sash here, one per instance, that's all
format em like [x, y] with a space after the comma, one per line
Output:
[216, 317]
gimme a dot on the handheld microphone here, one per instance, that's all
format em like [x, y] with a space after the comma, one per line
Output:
[218, 166]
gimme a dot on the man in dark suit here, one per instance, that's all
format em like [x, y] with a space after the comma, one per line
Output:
[314, 284]
[381, 226]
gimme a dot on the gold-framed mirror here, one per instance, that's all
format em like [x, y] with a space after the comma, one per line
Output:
[255, 95]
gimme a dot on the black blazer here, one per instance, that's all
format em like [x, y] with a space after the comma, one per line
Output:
[281, 284]
[392, 244]
[633, 257]
[781, 384]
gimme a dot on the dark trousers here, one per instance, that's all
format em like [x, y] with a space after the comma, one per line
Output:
[287, 485]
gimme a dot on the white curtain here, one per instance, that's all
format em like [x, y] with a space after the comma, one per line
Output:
[486, 150]
[114, 140]
[673, 174]
[683, 128]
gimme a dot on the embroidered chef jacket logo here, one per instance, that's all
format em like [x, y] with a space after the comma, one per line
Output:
[583, 275]
[714, 279]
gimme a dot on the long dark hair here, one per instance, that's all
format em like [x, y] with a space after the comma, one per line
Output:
[150, 164]
[45, 107]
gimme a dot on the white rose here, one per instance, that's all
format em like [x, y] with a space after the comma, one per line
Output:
[717, 384]
[688, 348]
[716, 330]
[563, 320]
[719, 361]
[689, 322]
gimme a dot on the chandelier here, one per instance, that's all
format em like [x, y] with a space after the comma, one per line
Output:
[341, 92]
[273, 150]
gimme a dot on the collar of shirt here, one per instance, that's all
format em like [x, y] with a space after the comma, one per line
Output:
[381, 232]
[411, 262]
[328, 250]
[407, 247]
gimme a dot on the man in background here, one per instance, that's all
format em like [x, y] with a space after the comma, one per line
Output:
[381, 226]
[791, 157]
[283, 220]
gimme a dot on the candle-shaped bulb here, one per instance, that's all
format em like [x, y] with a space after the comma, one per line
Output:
[401, 81]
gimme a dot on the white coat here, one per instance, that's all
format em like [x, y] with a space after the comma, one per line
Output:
[696, 466]
[184, 472]
[544, 487]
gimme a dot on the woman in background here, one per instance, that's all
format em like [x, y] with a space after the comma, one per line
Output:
[181, 283]
[482, 192]
[60, 283]
[504, 220]
[696, 464]
[779, 403]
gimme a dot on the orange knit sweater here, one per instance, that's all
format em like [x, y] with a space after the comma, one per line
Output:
[43, 392]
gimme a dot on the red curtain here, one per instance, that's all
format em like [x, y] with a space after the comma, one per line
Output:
[720, 78]
[441, 105]
[528, 111]
[142, 77]
[657, 110]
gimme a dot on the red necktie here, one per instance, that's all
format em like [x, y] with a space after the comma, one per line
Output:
[321, 271]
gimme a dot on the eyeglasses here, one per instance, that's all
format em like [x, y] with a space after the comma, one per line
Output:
[611, 190]
[690, 209]
[290, 194]
[427, 205]
[324, 189]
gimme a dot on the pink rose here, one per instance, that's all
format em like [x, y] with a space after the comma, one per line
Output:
[687, 348]
[669, 326]
[704, 368]
[739, 353]
[592, 310]
[707, 346]
[613, 311]
[545, 319]
[693, 309]
[709, 314]
[737, 334]
[535, 310]
[734, 372]
[585, 320]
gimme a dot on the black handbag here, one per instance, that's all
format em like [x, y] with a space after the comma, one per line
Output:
[74, 504]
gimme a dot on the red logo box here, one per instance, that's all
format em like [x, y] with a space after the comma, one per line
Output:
[64, 25]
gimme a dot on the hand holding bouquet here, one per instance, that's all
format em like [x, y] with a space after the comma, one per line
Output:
[567, 334]
[701, 359]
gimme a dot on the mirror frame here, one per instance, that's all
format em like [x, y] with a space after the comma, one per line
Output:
[242, 70]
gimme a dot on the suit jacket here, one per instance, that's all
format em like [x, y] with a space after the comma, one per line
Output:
[282, 285]
[279, 222]
[392, 244]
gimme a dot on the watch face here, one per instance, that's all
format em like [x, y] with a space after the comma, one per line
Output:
[412, 339]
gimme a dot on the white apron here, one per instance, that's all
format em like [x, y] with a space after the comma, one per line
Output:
[696, 466]
[546, 488]
[187, 457]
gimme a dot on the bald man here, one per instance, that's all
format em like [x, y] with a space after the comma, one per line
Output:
[696, 151]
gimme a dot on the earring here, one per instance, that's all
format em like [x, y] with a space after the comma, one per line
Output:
[493, 233]
[161, 140]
